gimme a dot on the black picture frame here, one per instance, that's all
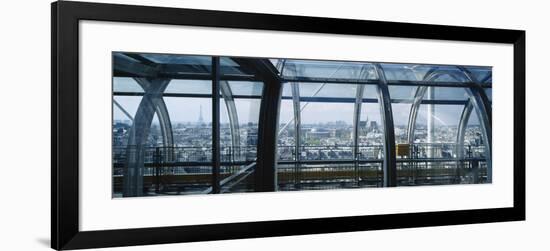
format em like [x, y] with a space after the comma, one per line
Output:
[65, 233]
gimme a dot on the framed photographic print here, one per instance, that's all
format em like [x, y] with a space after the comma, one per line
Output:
[177, 125]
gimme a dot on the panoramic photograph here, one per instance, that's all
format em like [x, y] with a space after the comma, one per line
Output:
[197, 124]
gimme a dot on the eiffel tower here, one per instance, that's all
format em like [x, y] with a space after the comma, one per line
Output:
[201, 120]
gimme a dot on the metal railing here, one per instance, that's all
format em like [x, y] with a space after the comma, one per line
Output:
[415, 172]
[365, 152]
[333, 174]
[186, 154]
[329, 152]
[445, 150]
[188, 170]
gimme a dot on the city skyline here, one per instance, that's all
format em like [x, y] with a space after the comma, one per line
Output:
[187, 110]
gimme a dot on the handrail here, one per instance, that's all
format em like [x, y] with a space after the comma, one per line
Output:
[333, 161]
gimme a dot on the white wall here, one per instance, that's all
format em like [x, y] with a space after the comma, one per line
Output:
[25, 125]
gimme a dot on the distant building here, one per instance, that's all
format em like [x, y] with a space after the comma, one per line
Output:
[251, 137]
[314, 134]
[341, 133]
[373, 126]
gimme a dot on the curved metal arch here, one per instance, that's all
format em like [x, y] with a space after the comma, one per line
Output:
[417, 100]
[297, 119]
[464, 118]
[281, 66]
[363, 74]
[297, 111]
[357, 119]
[160, 106]
[166, 125]
[419, 95]
[482, 106]
[151, 103]
[461, 132]
[390, 162]
[297, 108]
[265, 173]
[480, 103]
[478, 89]
[227, 96]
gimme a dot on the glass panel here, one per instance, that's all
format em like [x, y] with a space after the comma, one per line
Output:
[191, 122]
[431, 157]
[447, 74]
[474, 161]
[442, 136]
[249, 115]
[155, 134]
[329, 70]
[227, 62]
[226, 133]
[185, 86]
[405, 72]
[178, 59]
[328, 90]
[447, 93]
[402, 92]
[324, 90]
[326, 134]
[286, 143]
[400, 121]
[188, 168]
[325, 125]
[246, 88]
[129, 104]
[277, 63]
[161, 65]
[474, 146]
[192, 127]
[402, 97]
[310, 89]
[287, 91]
[122, 122]
[186, 66]
[370, 92]
[239, 119]
[481, 74]
[121, 84]
[415, 72]
[228, 66]
[371, 130]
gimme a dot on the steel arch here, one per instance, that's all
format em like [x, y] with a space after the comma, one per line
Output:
[227, 95]
[483, 110]
[150, 104]
[417, 100]
[390, 163]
